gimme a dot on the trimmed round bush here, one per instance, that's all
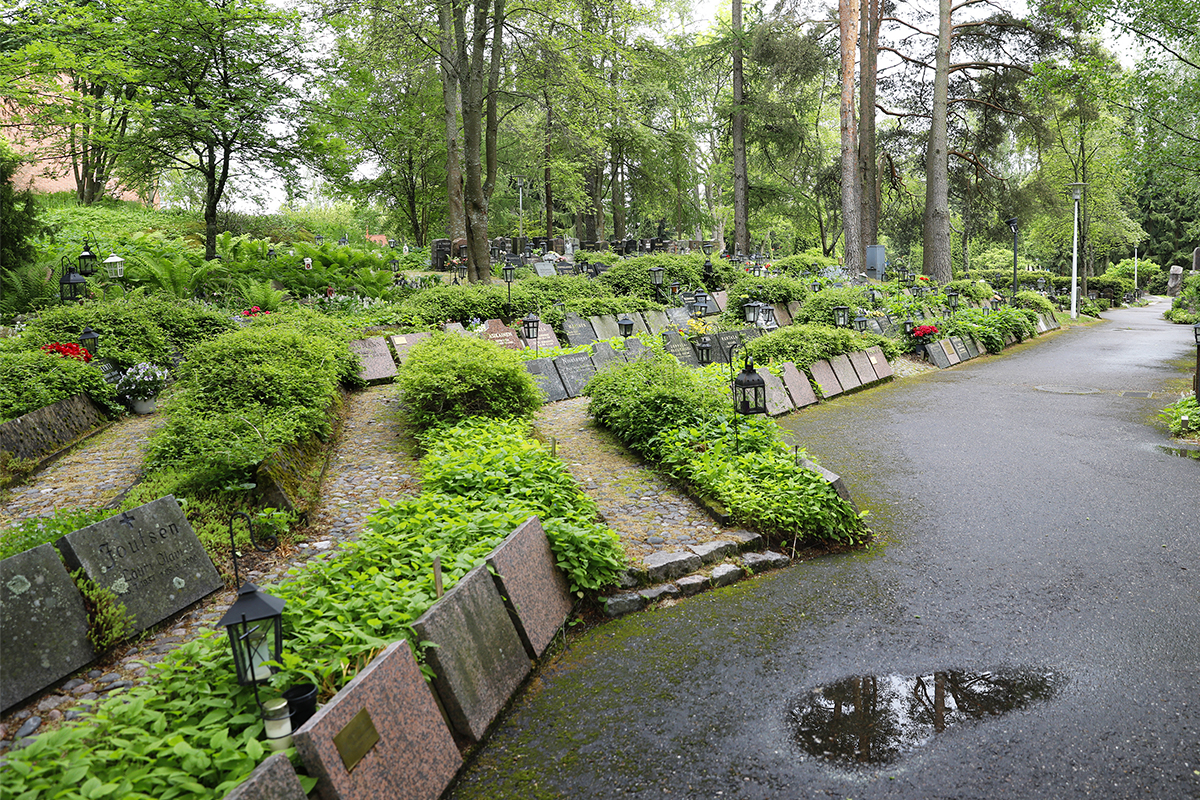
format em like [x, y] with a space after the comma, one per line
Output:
[450, 377]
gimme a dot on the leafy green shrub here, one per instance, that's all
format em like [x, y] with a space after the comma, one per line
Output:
[759, 480]
[804, 345]
[1034, 301]
[638, 399]
[818, 308]
[128, 335]
[631, 276]
[803, 265]
[448, 378]
[1183, 407]
[109, 622]
[242, 396]
[991, 329]
[971, 290]
[33, 379]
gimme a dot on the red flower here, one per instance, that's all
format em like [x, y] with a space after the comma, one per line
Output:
[921, 331]
[69, 350]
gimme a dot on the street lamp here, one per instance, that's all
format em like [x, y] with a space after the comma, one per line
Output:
[1076, 193]
[1012, 225]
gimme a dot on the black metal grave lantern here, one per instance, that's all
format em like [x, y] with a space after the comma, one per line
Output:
[255, 621]
[90, 341]
[72, 285]
[625, 326]
[704, 350]
[841, 316]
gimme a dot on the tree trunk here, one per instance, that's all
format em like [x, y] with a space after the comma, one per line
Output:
[590, 214]
[851, 187]
[618, 195]
[741, 194]
[868, 162]
[456, 225]
[936, 227]
[546, 153]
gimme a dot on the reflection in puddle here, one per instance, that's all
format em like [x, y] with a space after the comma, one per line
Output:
[875, 719]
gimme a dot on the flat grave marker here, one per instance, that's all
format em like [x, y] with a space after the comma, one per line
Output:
[677, 317]
[109, 369]
[862, 367]
[846, 375]
[605, 326]
[546, 377]
[782, 316]
[873, 326]
[778, 401]
[578, 330]
[717, 301]
[575, 370]
[546, 338]
[377, 364]
[826, 380]
[937, 355]
[635, 349]
[798, 386]
[656, 321]
[972, 350]
[535, 590]
[951, 353]
[457, 328]
[960, 349]
[793, 308]
[603, 354]
[148, 556]
[403, 343]
[414, 756]
[676, 345]
[478, 659]
[879, 362]
[723, 344]
[43, 624]
[497, 332]
[545, 269]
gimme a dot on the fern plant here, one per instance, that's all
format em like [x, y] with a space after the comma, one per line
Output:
[260, 293]
[26, 288]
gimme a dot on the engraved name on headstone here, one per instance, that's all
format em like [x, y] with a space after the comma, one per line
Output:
[376, 360]
[546, 377]
[149, 557]
[679, 347]
[575, 370]
[578, 330]
[605, 326]
[723, 344]
[499, 333]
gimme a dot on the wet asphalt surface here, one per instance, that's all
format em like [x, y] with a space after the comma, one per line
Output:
[1019, 529]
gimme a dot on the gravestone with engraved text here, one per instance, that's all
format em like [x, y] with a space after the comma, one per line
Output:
[679, 347]
[497, 332]
[546, 377]
[578, 330]
[403, 343]
[604, 354]
[575, 370]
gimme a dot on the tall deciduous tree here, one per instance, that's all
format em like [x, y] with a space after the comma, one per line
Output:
[848, 23]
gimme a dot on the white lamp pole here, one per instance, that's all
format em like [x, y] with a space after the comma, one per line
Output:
[1135, 277]
[1077, 192]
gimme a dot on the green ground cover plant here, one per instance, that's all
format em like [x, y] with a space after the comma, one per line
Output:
[29, 533]
[991, 328]
[678, 418]
[1186, 406]
[33, 379]
[193, 732]
[804, 345]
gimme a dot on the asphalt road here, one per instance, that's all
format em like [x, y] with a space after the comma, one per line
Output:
[1031, 534]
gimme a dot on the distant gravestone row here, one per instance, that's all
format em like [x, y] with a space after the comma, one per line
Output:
[945, 353]
[148, 557]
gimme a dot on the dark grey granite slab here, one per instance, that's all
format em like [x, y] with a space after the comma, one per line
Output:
[605, 327]
[679, 347]
[798, 387]
[578, 330]
[747, 334]
[846, 375]
[377, 365]
[888, 327]
[778, 401]
[879, 363]
[575, 370]
[972, 350]
[825, 378]
[960, 348]
[635, 349]
[43, 624]
[862, 367]
[722, 343]
[873, 326]
[415, 755]
[403, 343]
[456, 328]
[604, 354]
[546, 377]
[149, 557]
[478, 660]
[111, 371]
[937, 355]
[677, 317]
[534, 589]
[656, 321]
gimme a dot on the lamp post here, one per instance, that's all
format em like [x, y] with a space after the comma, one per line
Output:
[521, 208]
[1076, 193]
[71, 285]
[253, 647]
[87, 261]
[656, 277]
[710, 276]
[1012, 224]
[510, 273]
[952, 301]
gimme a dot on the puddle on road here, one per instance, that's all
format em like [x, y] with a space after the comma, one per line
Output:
[875, 719]
[1183, 452]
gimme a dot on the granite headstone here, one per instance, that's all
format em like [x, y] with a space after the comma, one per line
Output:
[635, 349]
[679, 347]
[477, 657]
[534, 589]
[778, 401]
[862, 367]
[972, 350]
[43, 624]
[415, 755]
[937, 355]
[605, 326]
[726, 343]
[546, 377]
[377, 365]
[604, 354]
[951, 353]
[544, 269]
[111, 371]
[677, 317]
[578, 330]
[273, 779]
[497, 332]
[879, 362]
[456, 328]
[825, 378]
[960, 349]
[404, 343]
[794, 312]
[575, 370]
[798, 386]
[149, 557]
[846, 375]
[656, 321]
[782, 316]
[718, 300]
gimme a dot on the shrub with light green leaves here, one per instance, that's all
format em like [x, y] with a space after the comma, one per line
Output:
[33, 379]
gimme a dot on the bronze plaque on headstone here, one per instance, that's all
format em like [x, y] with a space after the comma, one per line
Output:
[356, 739]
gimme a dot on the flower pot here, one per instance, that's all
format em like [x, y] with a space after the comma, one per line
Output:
[302, 700]
[919, 350]
[144, 406]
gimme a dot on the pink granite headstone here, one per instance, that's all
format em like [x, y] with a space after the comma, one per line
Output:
[533, 587]
[845, 372]
[826, 380]
[862, 367]
[798, 386]
[402, 343]
[496, 331]
[415, 756]
[377, 364]
[879, 362]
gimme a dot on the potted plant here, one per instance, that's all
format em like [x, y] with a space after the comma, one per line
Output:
[922, 335]
[141, 385]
